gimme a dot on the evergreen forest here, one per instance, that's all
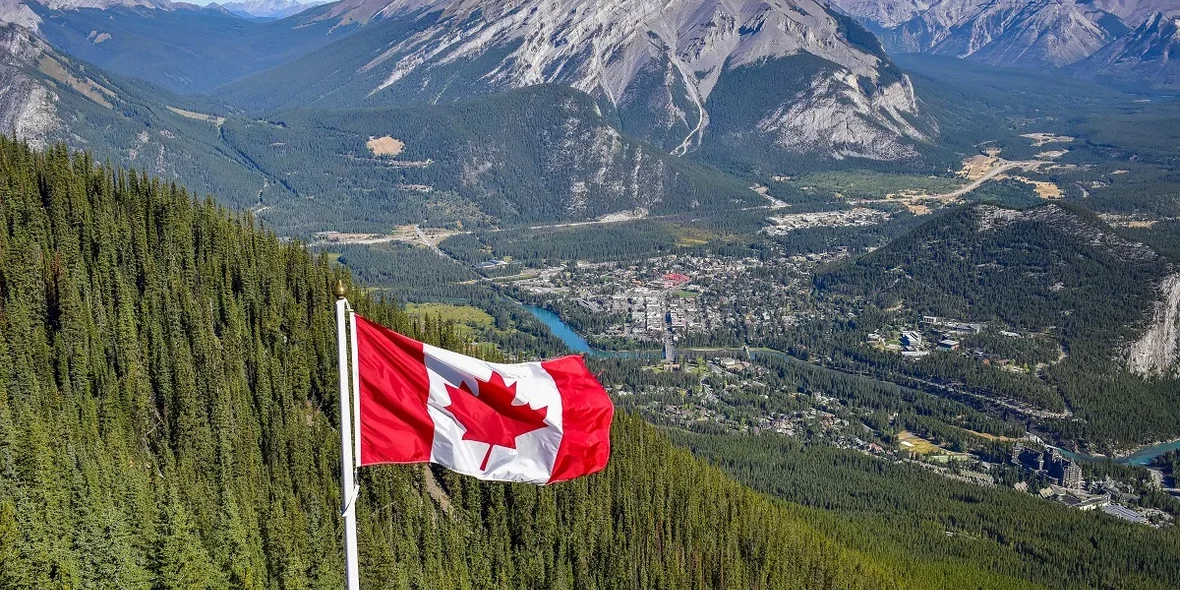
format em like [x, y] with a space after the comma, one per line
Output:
[166, 421]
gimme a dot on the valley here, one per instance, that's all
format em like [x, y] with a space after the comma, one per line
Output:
[885, 294]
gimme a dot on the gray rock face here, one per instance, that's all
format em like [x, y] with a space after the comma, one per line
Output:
[1013, 33]
[1135, 12]
[26, 106]
[1148, 56]
[615, 49]
[1158, 350]
[820, 119]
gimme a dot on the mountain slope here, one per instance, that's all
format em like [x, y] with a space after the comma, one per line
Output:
[543, 153]
[162, 373]
[656, 64]
[1134, 12]
[1051, 271]
[1148, 57]
[1024, 257]
[1020, 33]
[46, 97]
[179, 47]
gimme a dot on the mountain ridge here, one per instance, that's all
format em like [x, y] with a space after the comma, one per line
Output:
[1021, 33]
[653, 62]
[1147, 57]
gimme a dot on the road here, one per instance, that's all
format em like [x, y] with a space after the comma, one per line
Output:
[994, 172]
[429, 244]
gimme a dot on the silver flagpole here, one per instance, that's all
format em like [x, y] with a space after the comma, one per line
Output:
[356, 394]
[348, 507]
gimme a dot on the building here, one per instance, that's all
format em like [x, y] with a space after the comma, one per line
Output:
[1071, 476]
[911, 339]
[1051, 463]
[1124, 513]
[948, 344]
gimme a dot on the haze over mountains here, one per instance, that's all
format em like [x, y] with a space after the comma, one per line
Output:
[270, 9]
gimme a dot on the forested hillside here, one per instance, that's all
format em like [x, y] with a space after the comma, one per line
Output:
[1054, 271]
[166, 389]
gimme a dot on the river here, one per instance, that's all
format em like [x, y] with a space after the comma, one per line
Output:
[575, 342]
[566, 334]
[1142, 456]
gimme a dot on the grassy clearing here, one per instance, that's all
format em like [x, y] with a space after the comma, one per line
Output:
[461, 314]
[863, 184]
[916, 444]
[88, 88]
[987, 436]
[385, 146]
[690, 236]
[214, 119]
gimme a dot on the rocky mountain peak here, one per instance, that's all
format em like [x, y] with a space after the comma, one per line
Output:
[667, 54]
[104, 4]
[1019, 33]
[1149, 56]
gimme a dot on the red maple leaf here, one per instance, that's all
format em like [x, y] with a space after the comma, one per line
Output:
[490, 416]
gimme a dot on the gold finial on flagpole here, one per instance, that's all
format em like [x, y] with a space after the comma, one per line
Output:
[339, 290]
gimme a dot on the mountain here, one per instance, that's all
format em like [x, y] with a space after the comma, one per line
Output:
[1148, 57]
[1134, 12]
[179, 47]
[48, 97]
[542, 153]
[268, 8]
[26, 106]
[545, 153]
[785, 73]
[104, 4]
[1010, 33]
[1037, 264]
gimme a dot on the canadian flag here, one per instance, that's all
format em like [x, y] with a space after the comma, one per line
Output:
[539, 423]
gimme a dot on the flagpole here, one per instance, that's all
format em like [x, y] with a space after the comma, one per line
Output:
[348, 504]
[356, 396]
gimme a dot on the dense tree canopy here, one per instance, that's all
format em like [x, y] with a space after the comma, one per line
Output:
[166, 421]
